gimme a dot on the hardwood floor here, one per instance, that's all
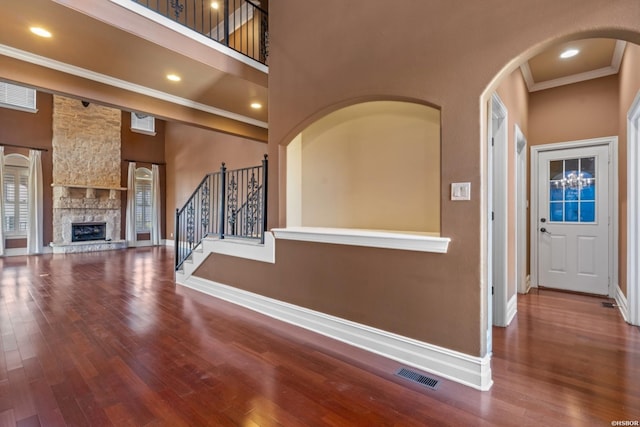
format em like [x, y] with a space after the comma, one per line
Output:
[107, 339]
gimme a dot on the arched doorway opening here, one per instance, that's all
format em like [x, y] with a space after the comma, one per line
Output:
[620, 88]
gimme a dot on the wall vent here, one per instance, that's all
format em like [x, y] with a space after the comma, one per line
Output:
[418, 378]
[17, 97]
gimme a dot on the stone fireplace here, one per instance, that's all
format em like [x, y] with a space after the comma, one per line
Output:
[86, 174]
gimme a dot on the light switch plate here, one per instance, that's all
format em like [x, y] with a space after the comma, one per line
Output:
[460, 191]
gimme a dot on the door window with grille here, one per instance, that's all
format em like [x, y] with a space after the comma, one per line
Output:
[572, 190]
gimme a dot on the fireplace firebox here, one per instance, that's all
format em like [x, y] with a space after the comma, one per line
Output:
[88, 231]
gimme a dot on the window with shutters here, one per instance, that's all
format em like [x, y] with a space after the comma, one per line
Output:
[17, 97]
[16, 195]
[143, 200]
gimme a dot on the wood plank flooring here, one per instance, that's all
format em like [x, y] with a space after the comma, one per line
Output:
[106, 339]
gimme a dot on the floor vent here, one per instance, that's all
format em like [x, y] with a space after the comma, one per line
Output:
[418, 378]
[608, 304]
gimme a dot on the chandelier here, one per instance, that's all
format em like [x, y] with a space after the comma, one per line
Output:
[574, 179]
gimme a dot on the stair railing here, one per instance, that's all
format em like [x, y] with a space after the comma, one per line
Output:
[228, 203]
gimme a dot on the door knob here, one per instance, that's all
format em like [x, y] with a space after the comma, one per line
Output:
[544, 230]
[543, 219]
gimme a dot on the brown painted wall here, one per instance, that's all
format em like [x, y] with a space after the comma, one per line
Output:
[145, 150]
[453, 63]
[515, 96]
[578, 111]
[383, 288]
[629, 80]
[32, 130]
[193, 152]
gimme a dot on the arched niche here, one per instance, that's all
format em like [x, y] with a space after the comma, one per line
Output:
[373, 165]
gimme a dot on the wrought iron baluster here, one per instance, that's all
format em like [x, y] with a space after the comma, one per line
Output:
[177, 8]
[232, 203]
[253, 205]
[205, 208]
[190, 224]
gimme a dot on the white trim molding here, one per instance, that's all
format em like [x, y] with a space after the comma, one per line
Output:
[422, 242]
[235, 247]
[23, 251]
[633, 212]
[621, 302]
[472, 371]
[122, 84]
[512, 309]
[243, 248]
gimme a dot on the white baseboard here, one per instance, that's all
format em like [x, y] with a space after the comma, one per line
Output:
[621, 301]
[23, 251]
[139, 243]
[512, 309]
[168, 242]
[469, 370]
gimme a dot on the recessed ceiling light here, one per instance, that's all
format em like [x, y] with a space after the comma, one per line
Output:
[39, 31]
[256, 105]
[569, 53]
[174, 77]
[215, 5]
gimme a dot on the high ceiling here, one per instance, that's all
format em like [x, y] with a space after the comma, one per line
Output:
[596, 58]
[102, 41]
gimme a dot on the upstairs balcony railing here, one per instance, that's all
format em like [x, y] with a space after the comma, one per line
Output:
[241, 25]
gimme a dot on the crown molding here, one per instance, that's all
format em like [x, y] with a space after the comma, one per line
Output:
[612, 69]
[122, 84]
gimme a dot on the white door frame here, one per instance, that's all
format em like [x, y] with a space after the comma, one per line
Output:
[499, 210]
[520, 209]
[632, 303]
[612, 143]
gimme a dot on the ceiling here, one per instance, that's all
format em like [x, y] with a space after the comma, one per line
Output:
[104, 42]
[596, 58]
[130, 51]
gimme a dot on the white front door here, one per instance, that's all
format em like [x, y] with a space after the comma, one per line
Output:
[573, 219]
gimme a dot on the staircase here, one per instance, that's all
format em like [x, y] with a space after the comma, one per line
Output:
[228, 205]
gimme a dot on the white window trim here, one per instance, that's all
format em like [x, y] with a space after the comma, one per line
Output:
[26, 109]
[150, 132]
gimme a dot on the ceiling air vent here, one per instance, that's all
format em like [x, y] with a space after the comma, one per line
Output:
[17, 97]
[143, 123]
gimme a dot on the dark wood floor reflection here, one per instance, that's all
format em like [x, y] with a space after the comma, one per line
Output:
[107, 339]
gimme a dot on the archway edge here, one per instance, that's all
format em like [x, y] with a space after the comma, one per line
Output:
[331, 108]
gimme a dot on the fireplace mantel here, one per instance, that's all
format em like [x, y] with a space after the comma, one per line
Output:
[95, 187]
[90, 190]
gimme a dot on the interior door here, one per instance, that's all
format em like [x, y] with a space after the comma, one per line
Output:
[573, 219]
